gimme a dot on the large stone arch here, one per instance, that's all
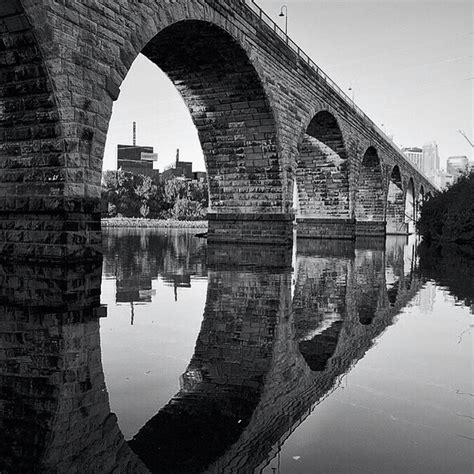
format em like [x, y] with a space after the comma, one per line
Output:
[370, 195]
[231, 111]
[322, 179]
[58, 169]
[52, 161]
[395, 213]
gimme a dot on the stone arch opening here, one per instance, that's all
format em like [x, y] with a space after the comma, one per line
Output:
[369, 207]
[395, 213]
[410, 207]
[231, 111]
[322, 179]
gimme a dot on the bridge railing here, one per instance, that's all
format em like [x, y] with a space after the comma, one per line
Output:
[291, 44]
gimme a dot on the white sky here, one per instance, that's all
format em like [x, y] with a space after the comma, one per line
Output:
[409, 63]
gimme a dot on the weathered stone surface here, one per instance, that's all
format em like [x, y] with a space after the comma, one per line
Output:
[265, 117]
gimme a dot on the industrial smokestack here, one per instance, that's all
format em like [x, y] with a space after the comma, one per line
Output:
[134, 133]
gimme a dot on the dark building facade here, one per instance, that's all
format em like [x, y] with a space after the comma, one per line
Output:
[137, 160]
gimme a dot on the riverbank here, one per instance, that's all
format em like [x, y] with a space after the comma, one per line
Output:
[152, 223]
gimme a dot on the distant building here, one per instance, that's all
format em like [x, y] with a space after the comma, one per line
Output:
[458, 166]
[183, 170]
[430, 158]
[441, 179]
[415, 155]
[137, 160]
[200, 176]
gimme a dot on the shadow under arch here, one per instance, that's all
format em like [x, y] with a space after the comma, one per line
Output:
[370, 195]
[322, 176]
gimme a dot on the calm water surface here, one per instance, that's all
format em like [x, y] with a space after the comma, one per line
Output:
[333, 357]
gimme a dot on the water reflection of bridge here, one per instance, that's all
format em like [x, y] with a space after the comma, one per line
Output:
[263, 359]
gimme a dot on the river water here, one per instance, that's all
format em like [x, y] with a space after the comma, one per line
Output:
[331, 357]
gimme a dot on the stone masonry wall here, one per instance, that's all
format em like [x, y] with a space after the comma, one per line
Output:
[252, 108]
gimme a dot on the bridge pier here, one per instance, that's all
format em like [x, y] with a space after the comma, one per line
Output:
[50, 229]
[258, 228]
[343, 229]
[315, 228]
[370, 228]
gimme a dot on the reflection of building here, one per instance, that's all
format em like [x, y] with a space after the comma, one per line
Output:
[137, 159]
[415, 155]
[458, 166]
[134, 290]
[430, 158]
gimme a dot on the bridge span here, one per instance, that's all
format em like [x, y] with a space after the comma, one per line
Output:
[279, 137]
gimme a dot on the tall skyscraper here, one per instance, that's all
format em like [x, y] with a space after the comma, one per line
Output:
[430, 158]
[415, 155]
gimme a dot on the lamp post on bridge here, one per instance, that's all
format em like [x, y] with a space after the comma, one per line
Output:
[351, 90]
[284, 7]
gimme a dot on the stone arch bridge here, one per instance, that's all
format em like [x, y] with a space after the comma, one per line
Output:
[276, 132]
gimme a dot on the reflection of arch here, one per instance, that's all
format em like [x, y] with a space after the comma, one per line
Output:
[322, 173]
[224, 380]
[224, 92]
[245, 389]
[318, 350]
[410, 206]
[319, 301]
[369, 206]
[55, 413]
[369, 284]
[395, 214]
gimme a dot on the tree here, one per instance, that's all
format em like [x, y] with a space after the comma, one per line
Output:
[129, 195]
[449, 216]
